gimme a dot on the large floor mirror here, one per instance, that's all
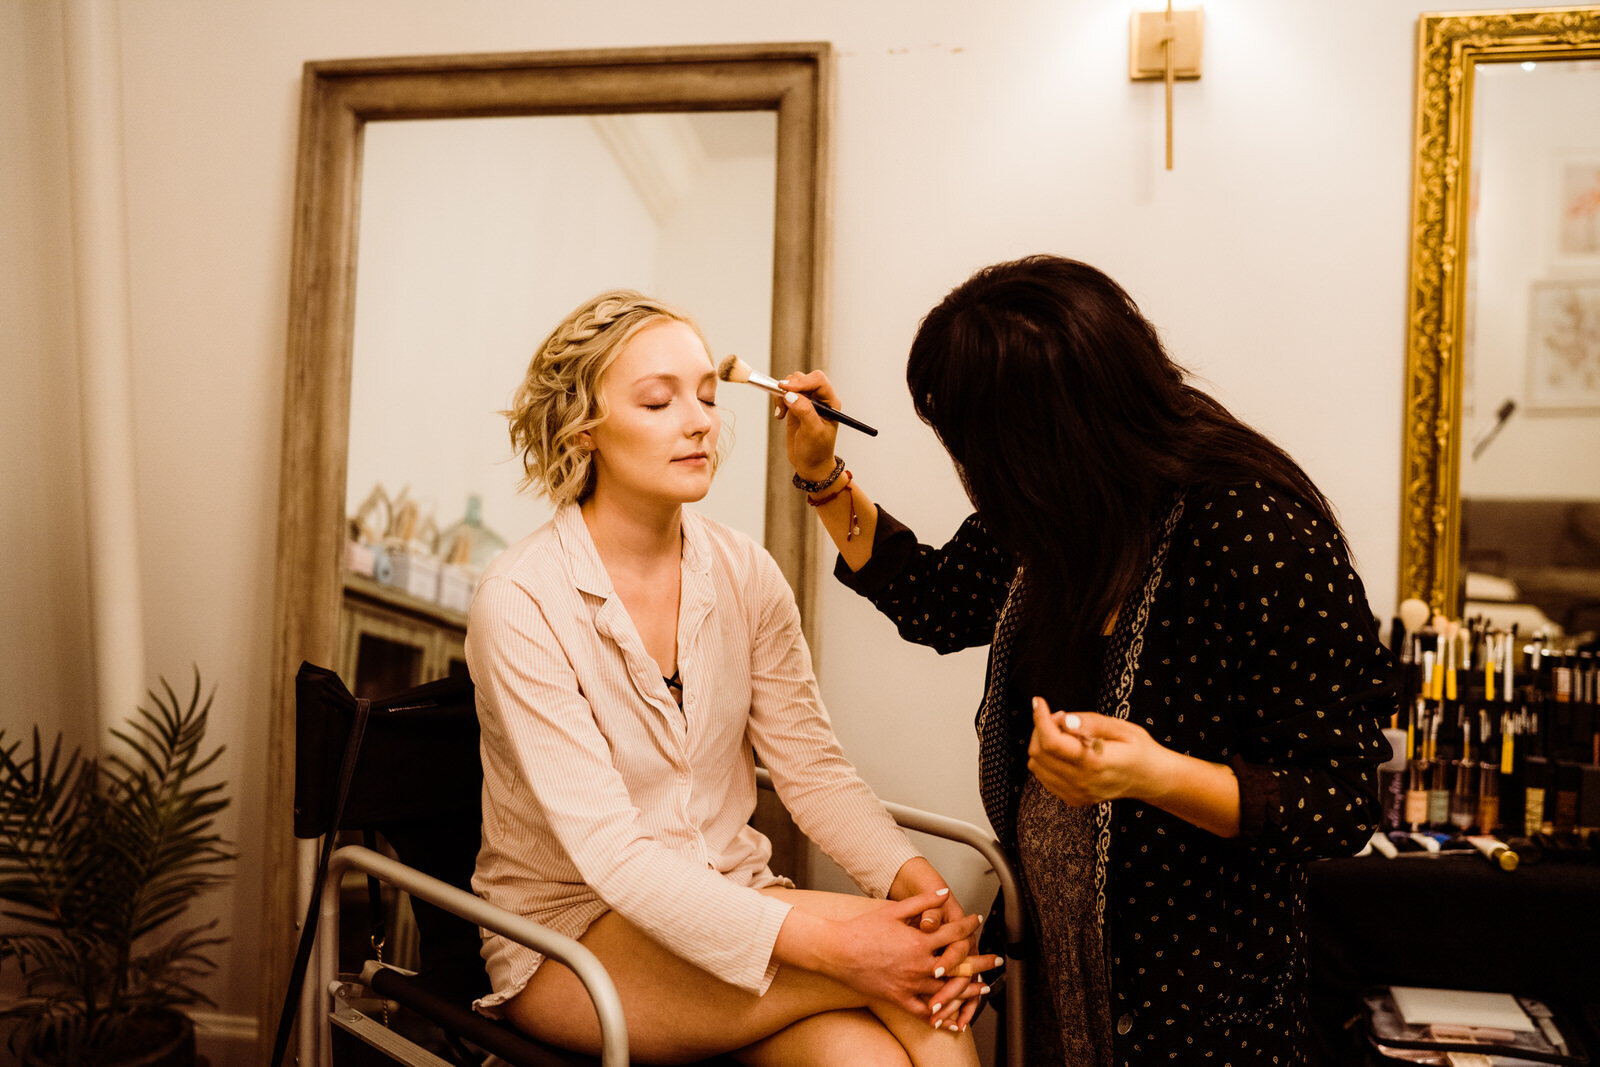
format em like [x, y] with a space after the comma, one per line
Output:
[1501, 509]
[449, 211]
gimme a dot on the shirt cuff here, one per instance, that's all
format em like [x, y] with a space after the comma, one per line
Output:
[893, 544]
[1259, 797]
[774, 912]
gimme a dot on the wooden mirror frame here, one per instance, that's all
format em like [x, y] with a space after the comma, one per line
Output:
[1449, 49]
[338, 99]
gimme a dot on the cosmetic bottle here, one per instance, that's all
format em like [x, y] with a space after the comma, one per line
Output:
[1589, 799]
[1535, 782]
[1439, 796]
[1464, 796]
[1511, 755]
[1392, 780]
[1488, 819]
[1416, 813]
[1568, 775]
[1561, 678]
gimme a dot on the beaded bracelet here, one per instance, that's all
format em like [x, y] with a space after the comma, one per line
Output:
[817, 487]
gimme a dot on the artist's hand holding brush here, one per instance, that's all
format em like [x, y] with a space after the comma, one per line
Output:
[849, 516]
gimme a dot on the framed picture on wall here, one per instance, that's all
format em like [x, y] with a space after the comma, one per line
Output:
[1577, 222]
[1564, 346]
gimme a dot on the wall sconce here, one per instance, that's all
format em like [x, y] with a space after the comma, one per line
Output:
[1165, 46]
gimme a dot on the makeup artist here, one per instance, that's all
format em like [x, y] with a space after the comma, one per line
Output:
[1185, 684]
[631, 658]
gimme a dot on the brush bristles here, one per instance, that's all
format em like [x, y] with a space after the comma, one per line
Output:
[733, 369]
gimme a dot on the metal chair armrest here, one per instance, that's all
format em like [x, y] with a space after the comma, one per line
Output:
[984, 844]
[607, 1004]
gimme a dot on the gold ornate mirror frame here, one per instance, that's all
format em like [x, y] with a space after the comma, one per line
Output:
[1449, 49]
[338, 99]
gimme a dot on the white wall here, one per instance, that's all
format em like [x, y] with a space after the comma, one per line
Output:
[1273, 257]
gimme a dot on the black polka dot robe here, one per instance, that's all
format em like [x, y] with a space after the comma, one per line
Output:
[1248, 642]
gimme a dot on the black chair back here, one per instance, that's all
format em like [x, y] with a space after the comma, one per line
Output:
[418, 783]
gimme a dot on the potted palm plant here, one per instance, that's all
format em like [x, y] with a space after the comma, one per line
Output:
[99, 859]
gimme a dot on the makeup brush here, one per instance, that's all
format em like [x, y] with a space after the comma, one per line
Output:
[734, 369]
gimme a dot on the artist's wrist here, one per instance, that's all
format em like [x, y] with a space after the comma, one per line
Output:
[1160, 771]
[819, 480]
[819, 473]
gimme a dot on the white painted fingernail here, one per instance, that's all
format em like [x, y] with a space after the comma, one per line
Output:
[941, 892]
[938, 972]
[791, 397]
[935, 1009]
[1074, 723]
[984, 991]
[938, 1024]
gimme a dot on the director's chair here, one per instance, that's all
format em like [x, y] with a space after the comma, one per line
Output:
[407, 769]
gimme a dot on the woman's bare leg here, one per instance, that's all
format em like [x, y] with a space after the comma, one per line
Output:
[925, 1045]
[834, 1037]
[677, 1012]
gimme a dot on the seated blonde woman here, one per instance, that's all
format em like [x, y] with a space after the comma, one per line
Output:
[632, 658]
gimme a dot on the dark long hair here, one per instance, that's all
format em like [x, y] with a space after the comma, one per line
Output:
[1072, 429]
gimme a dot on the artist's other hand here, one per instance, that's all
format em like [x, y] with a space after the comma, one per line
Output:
[1084, 758]
[808, 436]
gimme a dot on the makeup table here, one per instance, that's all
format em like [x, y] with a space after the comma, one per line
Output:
[1454, 921]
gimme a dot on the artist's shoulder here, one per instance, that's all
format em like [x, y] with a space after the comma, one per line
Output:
[1260, 515]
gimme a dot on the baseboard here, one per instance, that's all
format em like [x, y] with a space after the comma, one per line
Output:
[223, 1038]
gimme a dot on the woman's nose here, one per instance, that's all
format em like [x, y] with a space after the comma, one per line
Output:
[700, 421]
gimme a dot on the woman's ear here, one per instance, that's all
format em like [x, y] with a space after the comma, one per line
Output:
[584, 440]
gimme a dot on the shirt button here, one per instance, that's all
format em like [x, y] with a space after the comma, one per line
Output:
[1124, 1024]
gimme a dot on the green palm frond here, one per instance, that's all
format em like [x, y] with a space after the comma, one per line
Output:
[95, 859]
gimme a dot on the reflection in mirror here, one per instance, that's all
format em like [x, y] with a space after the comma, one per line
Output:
[1530, 378]
[1498, 274]
[468, 297]
[477, 237]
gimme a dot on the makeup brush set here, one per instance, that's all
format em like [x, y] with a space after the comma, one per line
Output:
[1497, 744]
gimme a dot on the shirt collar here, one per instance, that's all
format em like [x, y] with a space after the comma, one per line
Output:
[589, 574]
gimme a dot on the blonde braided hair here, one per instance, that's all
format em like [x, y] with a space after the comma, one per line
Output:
[560, 396]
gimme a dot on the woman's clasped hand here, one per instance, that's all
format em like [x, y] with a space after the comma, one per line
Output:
[908, 951]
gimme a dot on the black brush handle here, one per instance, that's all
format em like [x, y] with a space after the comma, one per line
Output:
[840, 417]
